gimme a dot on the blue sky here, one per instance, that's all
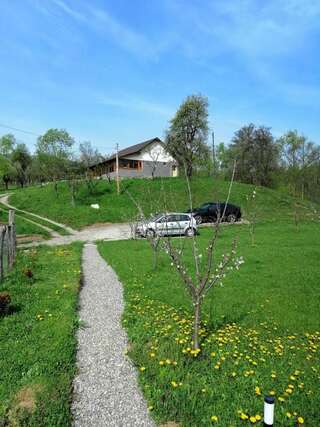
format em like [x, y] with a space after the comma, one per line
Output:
[116, 71]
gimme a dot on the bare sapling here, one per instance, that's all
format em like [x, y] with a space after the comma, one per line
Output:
[208, 271]
[252, 214]
[141, 220]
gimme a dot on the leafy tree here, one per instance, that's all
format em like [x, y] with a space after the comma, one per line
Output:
[54, 152]
[21, 160]
[256, 154]
[7, 144]
[7, 171]
[300, 159]
[88, 154]
[188, 131]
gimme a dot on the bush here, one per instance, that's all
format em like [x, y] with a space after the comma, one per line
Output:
[5, 300]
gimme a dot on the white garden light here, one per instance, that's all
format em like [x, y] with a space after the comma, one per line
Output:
[268, 417]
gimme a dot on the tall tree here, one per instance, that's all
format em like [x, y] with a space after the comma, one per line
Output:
[54, 152]
[188, 131]
[21, 160]
[7, 171]
[300, 159]
[256, 154]
[7, 144]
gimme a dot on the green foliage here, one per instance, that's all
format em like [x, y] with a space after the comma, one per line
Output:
[187, 134]
[38, 343]
[54, 153]
[21, 160]
[301, 164]
[256, 155]
[7, 144]
[7, 171]
[260, 332]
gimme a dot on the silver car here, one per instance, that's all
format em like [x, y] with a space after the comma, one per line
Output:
[168, 224]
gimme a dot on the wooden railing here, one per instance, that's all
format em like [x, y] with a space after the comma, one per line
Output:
[8, 245]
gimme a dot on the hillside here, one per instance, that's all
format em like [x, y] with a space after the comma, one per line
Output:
[153, 195]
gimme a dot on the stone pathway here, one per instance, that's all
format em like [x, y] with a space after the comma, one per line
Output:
[106, 392]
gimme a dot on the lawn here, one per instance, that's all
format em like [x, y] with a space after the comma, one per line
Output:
[37, 337]
[260, 335]
[23, 227]
[153, 195]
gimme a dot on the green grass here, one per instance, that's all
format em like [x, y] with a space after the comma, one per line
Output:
[154, 196]
[23, 227]
[40, 221]
[263, 322]
[37, 339]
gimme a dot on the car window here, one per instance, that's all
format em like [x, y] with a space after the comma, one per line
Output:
[173, 218]
[184, 218]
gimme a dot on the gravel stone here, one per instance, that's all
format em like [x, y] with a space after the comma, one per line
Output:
[106, 391]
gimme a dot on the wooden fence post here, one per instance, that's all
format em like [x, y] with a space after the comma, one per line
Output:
[11, 239]
[2, 237]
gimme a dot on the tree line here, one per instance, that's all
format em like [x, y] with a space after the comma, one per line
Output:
[54, 159]
[290, 162]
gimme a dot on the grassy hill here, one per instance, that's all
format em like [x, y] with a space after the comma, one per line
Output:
[153, 195]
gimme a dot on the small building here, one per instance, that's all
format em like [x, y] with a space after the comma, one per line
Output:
[145, 160]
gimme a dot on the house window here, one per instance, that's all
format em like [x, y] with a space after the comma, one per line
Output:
[130, 164]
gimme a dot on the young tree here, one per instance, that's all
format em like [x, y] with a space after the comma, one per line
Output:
[186, 137]
[21, 160]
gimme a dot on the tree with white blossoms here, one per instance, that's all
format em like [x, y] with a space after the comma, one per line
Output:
[208, 273]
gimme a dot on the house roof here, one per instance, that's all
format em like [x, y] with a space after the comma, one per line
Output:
[130, 150]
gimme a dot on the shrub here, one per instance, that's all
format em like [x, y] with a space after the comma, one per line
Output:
[5, 300]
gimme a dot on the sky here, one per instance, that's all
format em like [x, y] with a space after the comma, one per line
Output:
[115, 71]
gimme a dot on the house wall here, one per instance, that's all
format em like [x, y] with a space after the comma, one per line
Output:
[154, 152]
[163, 169]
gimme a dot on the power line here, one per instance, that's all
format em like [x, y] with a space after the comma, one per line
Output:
[19, 130]
[31, 133]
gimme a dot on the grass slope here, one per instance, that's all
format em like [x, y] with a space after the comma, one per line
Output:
[23, 227]
[153, 195]
[37, 339]
[260, 335]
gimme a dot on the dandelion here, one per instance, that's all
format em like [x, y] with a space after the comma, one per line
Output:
[214, 418]
[142, 368]
[253, 419]
[300, 420]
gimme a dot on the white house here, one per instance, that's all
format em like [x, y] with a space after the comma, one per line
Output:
[147, 159]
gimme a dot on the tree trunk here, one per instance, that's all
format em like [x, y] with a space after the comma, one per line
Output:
[197, 322]
[189, 170]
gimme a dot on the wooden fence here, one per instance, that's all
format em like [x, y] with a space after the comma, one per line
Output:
[8, 245]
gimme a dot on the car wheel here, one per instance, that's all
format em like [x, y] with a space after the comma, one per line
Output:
[198, 219]
[231, 218]
[190, 232]
[150, 234]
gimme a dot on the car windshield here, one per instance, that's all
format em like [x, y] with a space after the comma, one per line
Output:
[155, 217]
[205, 205]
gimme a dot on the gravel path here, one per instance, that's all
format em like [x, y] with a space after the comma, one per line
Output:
[106, 392]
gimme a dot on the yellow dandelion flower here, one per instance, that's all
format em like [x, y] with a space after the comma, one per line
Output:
[214, 418]
[142, 368]
[253, 419]
[288, 414]
[300, 420]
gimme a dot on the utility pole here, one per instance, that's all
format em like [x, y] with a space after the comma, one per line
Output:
[213, 154]
[117, 168]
